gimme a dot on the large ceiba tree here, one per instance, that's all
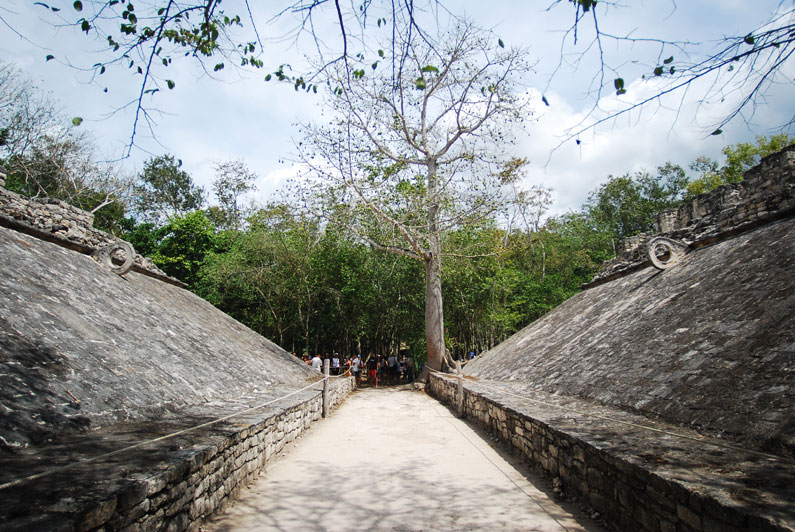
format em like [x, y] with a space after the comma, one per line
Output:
[419, 146]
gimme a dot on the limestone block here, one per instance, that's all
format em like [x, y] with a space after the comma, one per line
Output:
[688, 516]
[134, 494]
[97, 515]
[129, 516]
[155, 483]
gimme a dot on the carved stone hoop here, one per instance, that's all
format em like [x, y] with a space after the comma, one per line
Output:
[665, 252]
[106, 253]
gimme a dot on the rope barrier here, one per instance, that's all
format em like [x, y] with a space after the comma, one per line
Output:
[153, 440]
[699, 439]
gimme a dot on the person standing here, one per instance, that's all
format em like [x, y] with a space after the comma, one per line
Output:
[317, 363]
[394, 369]
[357, 368]
[372, 370]
[382, 368]
[335, 364]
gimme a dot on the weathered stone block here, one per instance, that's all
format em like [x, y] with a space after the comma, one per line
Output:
[689, 517]
[130, 515]
[133, 494]
[646, 518]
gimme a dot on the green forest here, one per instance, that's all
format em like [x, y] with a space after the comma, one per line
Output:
[305, 279]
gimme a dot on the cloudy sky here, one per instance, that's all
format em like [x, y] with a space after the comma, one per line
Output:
[236, 115]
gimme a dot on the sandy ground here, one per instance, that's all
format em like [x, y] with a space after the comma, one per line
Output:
[394, 460]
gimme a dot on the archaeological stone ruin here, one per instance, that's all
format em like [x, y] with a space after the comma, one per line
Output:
[664, 395]
[661, 395]
[93, 361]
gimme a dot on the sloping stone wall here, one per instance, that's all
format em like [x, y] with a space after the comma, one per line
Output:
[708, 343]
[666, 398]
[82, 347]
[640, 475]
[92, 362]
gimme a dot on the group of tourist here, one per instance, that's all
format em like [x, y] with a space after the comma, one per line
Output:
[385, 369]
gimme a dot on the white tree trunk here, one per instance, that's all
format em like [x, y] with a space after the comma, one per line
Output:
[434, 308]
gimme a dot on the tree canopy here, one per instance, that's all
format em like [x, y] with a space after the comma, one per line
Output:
[420, 151]
[165, 190]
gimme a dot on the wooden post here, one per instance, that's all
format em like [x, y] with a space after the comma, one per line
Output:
[459, 399]
[325, 386]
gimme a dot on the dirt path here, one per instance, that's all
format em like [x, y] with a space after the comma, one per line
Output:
[393, 460]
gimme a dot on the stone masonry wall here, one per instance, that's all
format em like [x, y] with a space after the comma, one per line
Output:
[191, 482]
[212, 477]
[64, 224]
[605, 470]
[766, 193]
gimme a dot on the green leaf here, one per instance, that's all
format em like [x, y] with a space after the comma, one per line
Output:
[430, 68]
[500, 43]
[669, 60]
[618, 83]
[544, 99]
[717, 132]
[85, 26]
[420, 83]
[78, 5]
[49, 57]
[658, 71]
[268, 77]
[76, 121]
[380, 53]
[619, 92]
[170, 84]
[749, 39]
[219, 66]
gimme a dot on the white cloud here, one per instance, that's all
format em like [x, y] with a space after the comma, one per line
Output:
[270, 185]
